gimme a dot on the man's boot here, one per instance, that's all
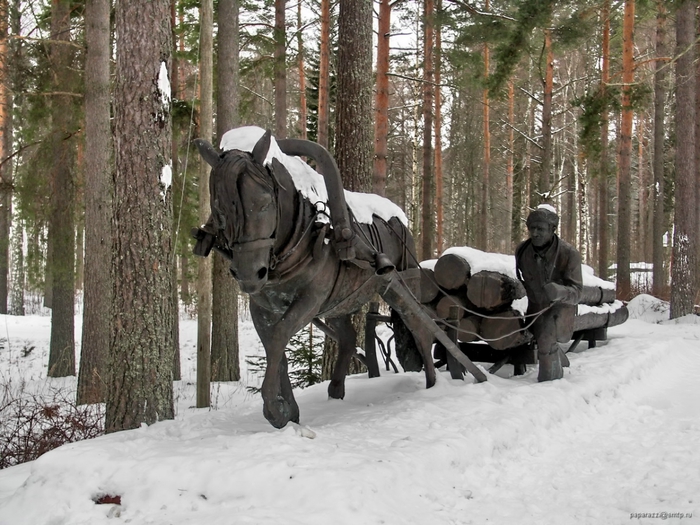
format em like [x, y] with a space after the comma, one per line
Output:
[549, 364]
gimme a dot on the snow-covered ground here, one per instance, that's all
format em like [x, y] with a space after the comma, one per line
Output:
[617, 437]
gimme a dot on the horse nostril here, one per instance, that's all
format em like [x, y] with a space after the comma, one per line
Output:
[262, 273]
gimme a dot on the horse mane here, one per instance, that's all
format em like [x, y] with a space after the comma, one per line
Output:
[225, 195]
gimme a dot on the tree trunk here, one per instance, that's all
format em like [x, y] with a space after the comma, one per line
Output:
[660, 279]
[280, 68]
[302, 74]
[438, 139]
[354, 102]
[140, 373]
[324, 75]
[427, 221]
[381, 100]
[178, 183]
[97, 306]
[512, 215]
[603, 176]
[354, 121]
[683, 266]
[204, 273]
[486, 168]
[62, 223]
[5, 151]
[624, 212]
[224, 346]
[545, 183]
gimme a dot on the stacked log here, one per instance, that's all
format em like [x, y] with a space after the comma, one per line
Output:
[488, 307]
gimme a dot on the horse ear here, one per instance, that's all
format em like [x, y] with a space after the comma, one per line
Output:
[261, 147]
[207, 152]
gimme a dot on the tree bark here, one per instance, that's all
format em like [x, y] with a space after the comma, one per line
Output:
[97, 306]
[545, 182]
[5, 149]
[62, 222]
[224, 346]
[140, 373]
[280, 67]
[684, 264]
[302, 74]
[427, 220]
[624, 212]
[324, 75]
[486, 168]
[178, 182]
[381, 100]
[439, 211]
[204, 270]
[660, 280]
[603, 176]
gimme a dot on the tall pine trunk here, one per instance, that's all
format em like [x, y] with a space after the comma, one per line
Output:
[660, 279]
[280, 68]
[486, 166]
[324, 75]
[140, 372]
[624, 197]
[302, 73]
[439, 206]
[427, 221]
[381, 99]
[684, 264]
[97, 306]
[204, 270]
[353, 122]
[5, 151]
[224, 344]
[61, 236]
[604, 172]
[545, 182]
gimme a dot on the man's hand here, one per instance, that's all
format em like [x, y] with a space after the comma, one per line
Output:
[554, 292]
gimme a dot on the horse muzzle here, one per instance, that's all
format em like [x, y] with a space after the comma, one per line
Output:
[250, 264]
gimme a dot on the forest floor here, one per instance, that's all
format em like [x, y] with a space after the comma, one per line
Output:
[614, 441]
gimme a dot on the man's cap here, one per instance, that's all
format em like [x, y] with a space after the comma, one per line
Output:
[543, 213]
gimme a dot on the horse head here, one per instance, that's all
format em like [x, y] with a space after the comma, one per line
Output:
[244, 209]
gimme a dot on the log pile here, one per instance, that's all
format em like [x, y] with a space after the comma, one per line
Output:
[490, 304]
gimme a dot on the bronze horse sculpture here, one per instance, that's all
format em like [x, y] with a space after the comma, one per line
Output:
[299, 263]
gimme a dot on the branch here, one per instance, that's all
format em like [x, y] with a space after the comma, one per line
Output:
[526, 137]
[20, 150]
[475, 12]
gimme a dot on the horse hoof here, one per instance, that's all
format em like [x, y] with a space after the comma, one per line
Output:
[281, 412]
[336, 390]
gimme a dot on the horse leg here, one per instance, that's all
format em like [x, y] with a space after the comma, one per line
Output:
[421, 334]
[279, 405]
[346, 339]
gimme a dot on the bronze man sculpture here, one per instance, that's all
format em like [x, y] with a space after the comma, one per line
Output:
[550, 270]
